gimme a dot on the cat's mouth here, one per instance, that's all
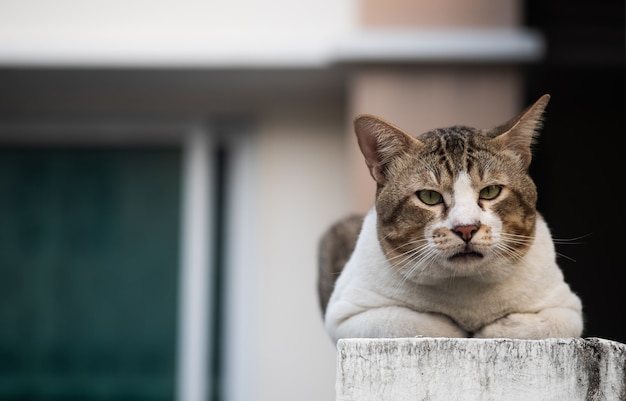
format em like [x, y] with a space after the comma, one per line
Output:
[466, 254]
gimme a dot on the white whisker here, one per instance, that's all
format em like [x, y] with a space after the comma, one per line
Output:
[565, 257]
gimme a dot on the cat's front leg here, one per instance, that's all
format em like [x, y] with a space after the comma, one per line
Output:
[397, 321]
[548, 323]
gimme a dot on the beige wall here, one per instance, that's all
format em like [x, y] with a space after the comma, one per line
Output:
[441, 13]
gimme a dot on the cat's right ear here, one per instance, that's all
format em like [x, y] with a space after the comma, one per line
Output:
[380, 142]
[518, 134]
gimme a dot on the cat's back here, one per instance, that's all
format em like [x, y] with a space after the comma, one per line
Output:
[335, 248]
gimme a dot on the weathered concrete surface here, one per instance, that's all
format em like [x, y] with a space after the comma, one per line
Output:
[433, 369]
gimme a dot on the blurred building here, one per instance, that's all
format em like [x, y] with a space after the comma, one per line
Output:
[166, 170]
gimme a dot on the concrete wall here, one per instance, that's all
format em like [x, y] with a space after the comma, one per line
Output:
[440, 369]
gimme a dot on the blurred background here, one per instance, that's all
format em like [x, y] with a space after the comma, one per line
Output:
[167, 168]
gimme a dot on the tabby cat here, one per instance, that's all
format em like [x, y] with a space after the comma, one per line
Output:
[453, 246]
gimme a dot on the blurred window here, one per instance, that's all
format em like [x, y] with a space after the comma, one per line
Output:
[89, 254]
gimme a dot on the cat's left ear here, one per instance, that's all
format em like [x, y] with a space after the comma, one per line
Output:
[518, 134]
[380, 142]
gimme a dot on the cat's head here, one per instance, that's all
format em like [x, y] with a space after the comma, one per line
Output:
[455, 201]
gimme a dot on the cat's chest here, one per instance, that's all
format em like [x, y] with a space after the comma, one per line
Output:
[471, 305]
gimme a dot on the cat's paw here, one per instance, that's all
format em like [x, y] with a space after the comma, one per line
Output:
[556, 322]
[515, 325]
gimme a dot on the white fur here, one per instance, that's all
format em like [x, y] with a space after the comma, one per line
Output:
[465, 210]
[529, 300]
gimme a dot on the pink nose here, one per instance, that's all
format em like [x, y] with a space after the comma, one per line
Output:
[465, 232]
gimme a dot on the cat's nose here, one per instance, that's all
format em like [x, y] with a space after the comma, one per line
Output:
[465, 232]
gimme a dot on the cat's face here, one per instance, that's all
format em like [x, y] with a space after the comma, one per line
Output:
[457, 202]
[454, 202]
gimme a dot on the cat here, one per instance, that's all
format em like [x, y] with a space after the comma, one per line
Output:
[453, 246]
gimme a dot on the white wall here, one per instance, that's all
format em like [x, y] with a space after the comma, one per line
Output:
[302, 190]
[184, 32]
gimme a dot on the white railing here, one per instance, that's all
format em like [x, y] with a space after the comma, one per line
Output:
[441, 369]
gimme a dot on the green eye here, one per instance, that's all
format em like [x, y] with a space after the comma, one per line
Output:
[430, 197]
[490, 192]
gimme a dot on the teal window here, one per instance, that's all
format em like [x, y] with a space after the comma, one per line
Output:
[89, 256]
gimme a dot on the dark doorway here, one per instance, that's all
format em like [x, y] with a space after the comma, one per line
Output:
[579, 164]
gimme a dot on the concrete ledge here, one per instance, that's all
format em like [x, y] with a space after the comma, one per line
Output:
[448, 45]
[503, 45]
[475, 369]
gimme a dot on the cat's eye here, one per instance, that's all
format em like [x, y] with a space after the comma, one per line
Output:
[490, 192]
[430, 197]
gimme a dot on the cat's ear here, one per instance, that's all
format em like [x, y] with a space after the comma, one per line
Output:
[380, 142]
[518, 134]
